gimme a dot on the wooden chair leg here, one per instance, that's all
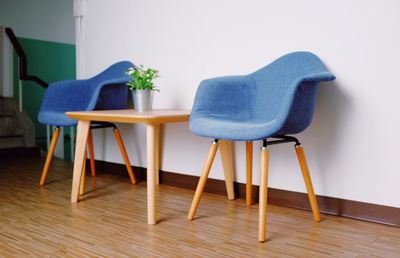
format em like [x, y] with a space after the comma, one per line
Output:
[124, 155]
[203, 179]
[225, 149]
[307, 180]
[249, 172]
[262, 216]
[83, 175]
[91, 153]
[50, 154]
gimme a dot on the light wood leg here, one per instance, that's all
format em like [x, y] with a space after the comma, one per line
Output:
[49, 157]
[157, 153]
[91, 153]
[249, 172]
[203, 179]
[227, 163]
[72, 134]
[121, 145]
[262, 215]
[80, 155]
[307, 180]
[151, 156]
[83, 175]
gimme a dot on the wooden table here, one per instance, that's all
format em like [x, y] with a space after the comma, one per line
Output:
[152, 119]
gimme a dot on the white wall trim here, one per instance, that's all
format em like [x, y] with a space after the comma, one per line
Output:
[79, 13]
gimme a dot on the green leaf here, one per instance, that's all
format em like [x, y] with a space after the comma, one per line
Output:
[142, 78]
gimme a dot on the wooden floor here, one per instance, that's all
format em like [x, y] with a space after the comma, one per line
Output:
[111, 222]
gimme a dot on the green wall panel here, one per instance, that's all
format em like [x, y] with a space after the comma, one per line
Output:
[51, 62]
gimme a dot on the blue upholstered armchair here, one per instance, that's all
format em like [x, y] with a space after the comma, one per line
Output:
[106, 90]
[272, 102]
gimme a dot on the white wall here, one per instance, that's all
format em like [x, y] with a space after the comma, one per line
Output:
[351, 145]
[49, 20]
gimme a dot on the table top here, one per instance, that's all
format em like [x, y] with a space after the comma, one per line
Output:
[157, 116]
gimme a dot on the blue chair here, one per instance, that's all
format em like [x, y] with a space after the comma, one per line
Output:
[106, 90]
[272, 102]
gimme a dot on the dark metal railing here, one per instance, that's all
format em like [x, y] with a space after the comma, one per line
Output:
[23, 70]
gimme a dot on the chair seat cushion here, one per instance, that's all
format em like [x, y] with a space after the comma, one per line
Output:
[55, 118]
[232, 129]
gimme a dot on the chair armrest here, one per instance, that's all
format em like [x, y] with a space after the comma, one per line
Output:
[321, 76]
[223, 96]
[290, 95]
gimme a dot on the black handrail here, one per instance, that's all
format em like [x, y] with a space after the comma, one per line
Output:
[23, 70]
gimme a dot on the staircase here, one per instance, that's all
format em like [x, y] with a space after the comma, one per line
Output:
[16, 128]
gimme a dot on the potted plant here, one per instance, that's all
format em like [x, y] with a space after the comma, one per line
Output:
[142, 87]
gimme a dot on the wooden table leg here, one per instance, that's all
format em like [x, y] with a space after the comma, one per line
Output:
[227, 162]
[157, 153]
[151, 137]
[80, 155]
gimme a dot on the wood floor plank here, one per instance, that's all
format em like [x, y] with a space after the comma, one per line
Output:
[111, 221]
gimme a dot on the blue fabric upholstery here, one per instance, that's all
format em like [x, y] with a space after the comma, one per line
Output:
[106, 90]
[275, 100]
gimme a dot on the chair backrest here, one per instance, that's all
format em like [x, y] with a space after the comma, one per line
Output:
[288, 84]
[114, 71]
[112, 95]
[107, 90]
